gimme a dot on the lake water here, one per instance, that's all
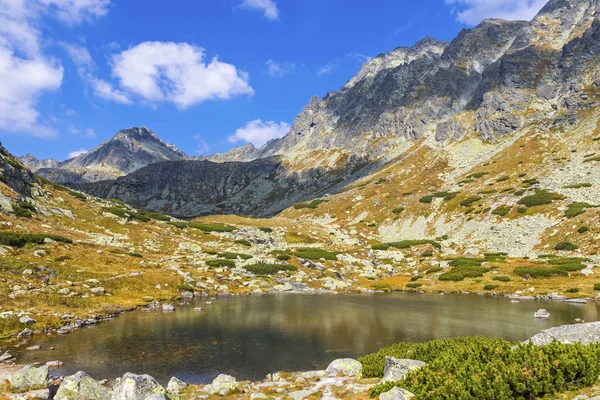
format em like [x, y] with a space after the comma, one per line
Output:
[250, 336]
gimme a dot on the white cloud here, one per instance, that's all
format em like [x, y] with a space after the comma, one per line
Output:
[74, 12]
[89, 132]
[327, 68]
[76, 153]
[361, 58]
[258, 132]
[268, 7]
[278, 70]
[73, 129]
[25, 72]
[201, 146]
[471, 12]
[106, 91]
[178, 73]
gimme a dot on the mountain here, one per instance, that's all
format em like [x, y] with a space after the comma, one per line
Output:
[31, 162]
[127, 151]
[489, 86]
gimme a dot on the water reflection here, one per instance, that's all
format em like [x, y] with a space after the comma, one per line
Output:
[249, 337]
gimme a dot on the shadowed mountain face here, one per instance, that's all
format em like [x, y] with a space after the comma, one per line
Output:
[493, 82]
[127, 151]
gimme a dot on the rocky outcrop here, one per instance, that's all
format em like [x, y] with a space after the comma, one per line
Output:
[222, 385]
[586, 333]
[14, 174]
[29, 377]
[396, 369]
[137, 387]
[127, 151]
[396, 393]
[345, 367]
[31, 162]
[81, 386]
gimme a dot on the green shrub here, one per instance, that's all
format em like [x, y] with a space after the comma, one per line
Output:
[502, 278]
[539, 272]
[185, 287]
[26, 206]
[583, 229]
[488, 191]
[405, 244]
[572, 290]
[21, 212]
[398, 210]
[309, 204]
[283, 257]
[178, 224]
[234, 256]
[459, 274]
[578, 185]
[269, 269]
[414, 285]
[469, 201]
[490, 287]
[597, 287]
[16, 239]
[502, 210]
[577, 208]
[265, 229]
[415, 277]
[477, 175]
[311, 253]
[539, 198]
[244, 242]
[522, 210]
[119, 212]
[221, 263]
[433, 270]
[152, 215]
[133, 254]
[426, 199]
[427, 253]
[211, 252]
[212, 227]
[140, 217]
[488, 368]
[567, 246]
[445, 195]
[503, 178]
[466, 262]
[597, 158]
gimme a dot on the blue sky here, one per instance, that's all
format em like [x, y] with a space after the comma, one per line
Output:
[204, 75]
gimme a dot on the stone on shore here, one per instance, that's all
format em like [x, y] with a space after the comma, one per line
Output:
[345, 367]
[175, 386]
[29, 378]
[396, 368]
[586, 333]
[222, 385]
[396, 393]
[137, 387]
[81, 386]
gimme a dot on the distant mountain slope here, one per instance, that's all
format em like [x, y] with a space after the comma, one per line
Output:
[127, 151]
[31, 162]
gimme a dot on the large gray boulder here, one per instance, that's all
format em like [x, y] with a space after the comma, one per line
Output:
[345, 367]
[578, 333]
[222, 385]
[175, 386]
[396, 368]
[29, 378]
[137, 387]
[81, 386]
[396, 393]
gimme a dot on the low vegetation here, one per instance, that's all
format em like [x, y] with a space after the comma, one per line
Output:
[312, 253]
[405, 244]
[17, 239]
[269, 269]
[309, 204]
[539, 198]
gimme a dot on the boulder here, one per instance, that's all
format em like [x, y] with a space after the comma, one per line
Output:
[222, 385]
[29, 378]
[542, 314]
[301, 394]
[396, 393]
[81, 386]
[346, 367]
[396, 368]
[27, 320]
[586, 333]
[175, 386]
[137, 387]
[168, 307]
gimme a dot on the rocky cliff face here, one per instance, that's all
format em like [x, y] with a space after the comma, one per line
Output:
[31, 162]
[494, 82]
[127, 151]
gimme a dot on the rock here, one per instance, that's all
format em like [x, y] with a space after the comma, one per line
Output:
[396, 369]
[27, 320]
[577, 333]
[346, 367]
[168, 307]
[27, 272]
[175, 386]
[40, 253]
[30, 348]
[258, 396]
[64, 291]
[5, 357]
[301, 394]
[81, 386]
[97, 290]
[396, 393]
[29, 378]
[6, 314]
[542, 314]
[25, 333]
[54, 364]
[313, 374]
[137, 387]
[222, 385]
